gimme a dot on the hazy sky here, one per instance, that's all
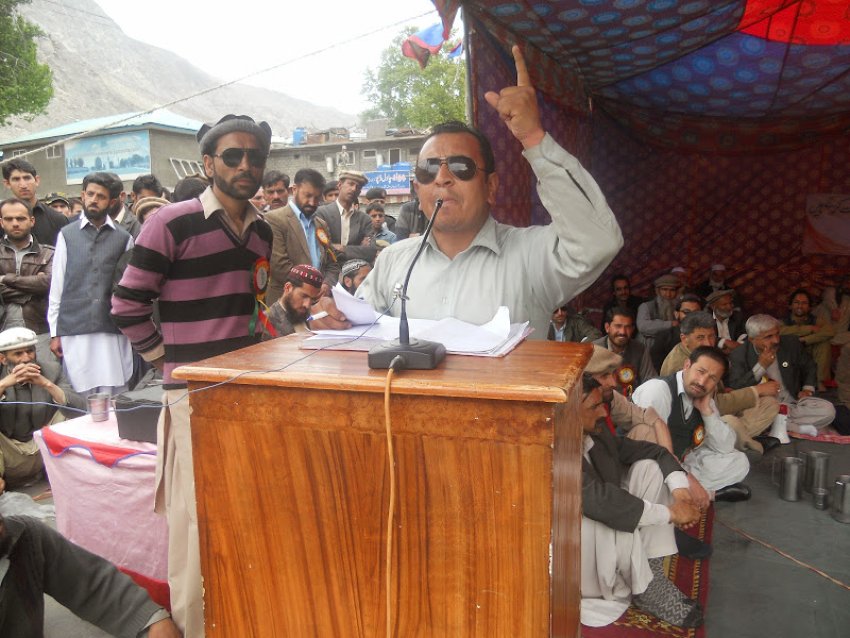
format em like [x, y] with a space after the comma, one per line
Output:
[233, 39]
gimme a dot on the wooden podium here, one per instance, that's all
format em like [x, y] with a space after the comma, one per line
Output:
[292, 485]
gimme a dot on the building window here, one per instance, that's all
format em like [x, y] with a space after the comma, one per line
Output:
[371, 158]
[184, 168]
[395, 155]
[20, 151]
[54, 152]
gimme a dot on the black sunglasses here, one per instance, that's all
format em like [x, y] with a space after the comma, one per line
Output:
[461, 166]
[232, 157]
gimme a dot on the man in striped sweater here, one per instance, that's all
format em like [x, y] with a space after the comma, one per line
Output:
[199, 258]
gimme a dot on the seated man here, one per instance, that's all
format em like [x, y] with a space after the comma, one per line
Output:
[730, 323]
[656, 315]
[704, 440]
[636, 367]
[43, 385]
[570, 326]
[36, 560]
[748, 411]
[767, 356]
[621, 295]
[642, 425]
[303, 288]
[633, 493]
[353, 273]
[814, 334]
[666, 340]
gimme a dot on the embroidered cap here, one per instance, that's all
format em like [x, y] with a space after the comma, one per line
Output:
[352, 266]
[305, 274]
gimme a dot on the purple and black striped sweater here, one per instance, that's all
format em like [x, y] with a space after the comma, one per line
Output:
[200, 273]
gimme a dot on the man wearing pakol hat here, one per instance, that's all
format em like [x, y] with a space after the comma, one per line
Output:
[730, 323]
[658, 313]
[289, 314]
[208, 258]
[25, 379]
[353, 273]
[642, 424]
[350, 228]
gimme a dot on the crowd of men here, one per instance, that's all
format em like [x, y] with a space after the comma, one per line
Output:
[155, 279]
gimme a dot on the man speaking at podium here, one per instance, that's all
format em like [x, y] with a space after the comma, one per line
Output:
[473, 264]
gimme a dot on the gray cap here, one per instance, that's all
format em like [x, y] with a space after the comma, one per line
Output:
[602, 361]
[208, 135]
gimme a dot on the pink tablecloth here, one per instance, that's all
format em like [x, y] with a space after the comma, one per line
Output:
[103, 489]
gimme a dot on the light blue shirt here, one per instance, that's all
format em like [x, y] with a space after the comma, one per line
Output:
[310, 232]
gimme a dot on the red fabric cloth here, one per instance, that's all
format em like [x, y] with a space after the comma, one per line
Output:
[105, 454]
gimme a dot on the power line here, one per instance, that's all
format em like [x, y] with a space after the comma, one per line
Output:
[222, 85]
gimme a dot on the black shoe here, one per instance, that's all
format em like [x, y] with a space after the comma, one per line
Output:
[693, 619]
[691, 547]
[768, 442]
[733, 493]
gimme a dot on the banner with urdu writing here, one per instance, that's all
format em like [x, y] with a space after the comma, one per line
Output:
[827, 230]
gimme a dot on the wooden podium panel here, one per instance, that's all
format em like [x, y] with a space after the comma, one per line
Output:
[292, 485]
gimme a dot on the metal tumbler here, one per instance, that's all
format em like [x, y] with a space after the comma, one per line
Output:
[841, 499]
[790, 477]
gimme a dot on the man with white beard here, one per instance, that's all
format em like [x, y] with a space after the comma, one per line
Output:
[658, 314]
[730, 324]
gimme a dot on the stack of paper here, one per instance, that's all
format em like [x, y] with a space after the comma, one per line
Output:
[494, 339]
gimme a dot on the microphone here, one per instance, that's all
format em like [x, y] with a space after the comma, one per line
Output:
[415, 354]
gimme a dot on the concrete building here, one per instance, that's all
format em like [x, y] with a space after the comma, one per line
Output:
[162, 143]
[389, 152]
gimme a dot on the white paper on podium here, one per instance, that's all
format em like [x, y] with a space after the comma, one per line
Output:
[495, 338]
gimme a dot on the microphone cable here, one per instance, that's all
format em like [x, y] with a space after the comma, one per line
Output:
[397, 362]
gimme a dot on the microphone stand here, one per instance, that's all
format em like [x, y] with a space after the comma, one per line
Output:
[415, 354]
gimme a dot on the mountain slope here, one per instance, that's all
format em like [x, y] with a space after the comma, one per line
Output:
[112, 73]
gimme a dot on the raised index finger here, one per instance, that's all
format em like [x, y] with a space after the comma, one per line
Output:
[522, 78]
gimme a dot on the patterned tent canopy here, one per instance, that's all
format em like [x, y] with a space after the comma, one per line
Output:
[711, 125]
[721, 75]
